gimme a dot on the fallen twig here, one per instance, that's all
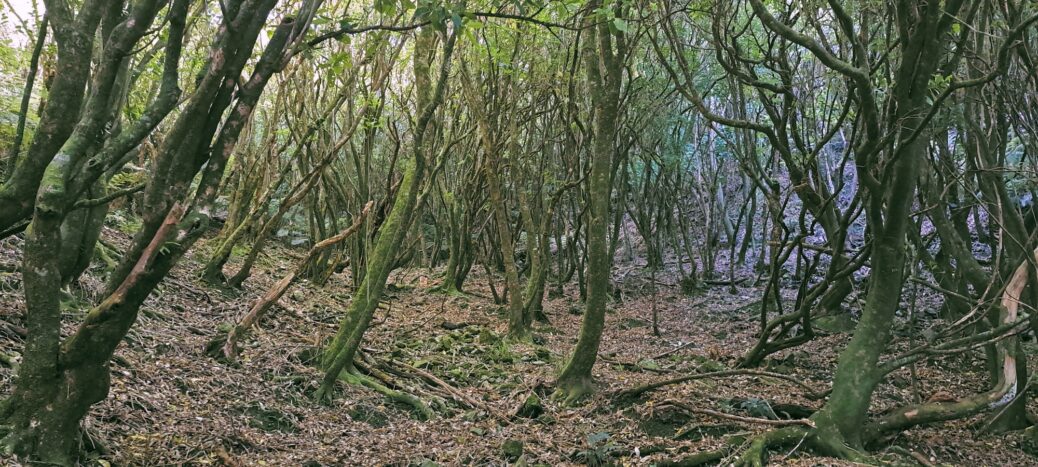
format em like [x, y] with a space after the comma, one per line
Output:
[675, 349]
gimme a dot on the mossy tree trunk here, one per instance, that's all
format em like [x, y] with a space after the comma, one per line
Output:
[605, 72]
[340, 352]
[74, 36]
[460, 247]
[890, 185]
[518, 321]
[493, 140]
[60, 379]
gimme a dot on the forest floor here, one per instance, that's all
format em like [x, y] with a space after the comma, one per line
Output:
[171, 404]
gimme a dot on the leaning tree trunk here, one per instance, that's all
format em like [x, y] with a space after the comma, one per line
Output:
[229, 347]
[343, 347]
[60, 379]
[23, 108]
[74, 36]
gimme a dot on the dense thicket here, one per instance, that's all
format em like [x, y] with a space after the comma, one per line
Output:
[839, 150]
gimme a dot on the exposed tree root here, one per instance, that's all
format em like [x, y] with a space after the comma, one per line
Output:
[756, 455]
[572, 391]
[448, 290]
[423, 391]
[796, 436]
[697, 459]
[755, 451]
[421, 410]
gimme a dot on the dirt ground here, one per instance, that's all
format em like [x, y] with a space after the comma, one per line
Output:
[171, 404]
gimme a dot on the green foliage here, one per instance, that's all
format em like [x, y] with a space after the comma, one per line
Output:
[128, 225]
[598, 451]
[608, 15]
[123, 180]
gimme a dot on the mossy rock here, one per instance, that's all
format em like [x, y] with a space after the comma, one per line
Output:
[707, 365]
[631, 323]
[512, 450]
[488, 337]
[501, 353]
[446, 342]
[664, 423]
[781, 367]
[532, 407]
[648, 364]
[1028, 442]
[472, 415]
[308, 355]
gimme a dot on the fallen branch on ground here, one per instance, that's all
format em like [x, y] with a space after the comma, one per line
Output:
[637, 391]
[737, 418]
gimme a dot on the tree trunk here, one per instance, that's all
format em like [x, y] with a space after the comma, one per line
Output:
[341, 351]
[604, 75]
[23, 108]
[60, 379]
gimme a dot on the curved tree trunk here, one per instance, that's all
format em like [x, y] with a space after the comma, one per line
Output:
[61, 378]
[604, 76]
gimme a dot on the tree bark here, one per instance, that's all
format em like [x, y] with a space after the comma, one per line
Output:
[605, 72]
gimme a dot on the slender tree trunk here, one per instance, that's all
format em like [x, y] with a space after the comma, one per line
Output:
[518, 321]
[23, 108]
[342, 349]
[604, 75]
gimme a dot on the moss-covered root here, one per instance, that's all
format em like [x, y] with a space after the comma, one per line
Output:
[421, 410]
[572, 391]
[828, 443]
[697, 459]
[797, 437]
[756, 455]
[449, 290]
